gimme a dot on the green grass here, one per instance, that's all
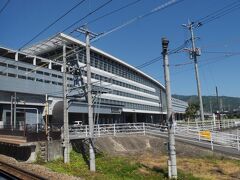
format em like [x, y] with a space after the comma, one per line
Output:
[113, 168]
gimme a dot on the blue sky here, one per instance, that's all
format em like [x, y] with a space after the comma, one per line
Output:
[141, 41]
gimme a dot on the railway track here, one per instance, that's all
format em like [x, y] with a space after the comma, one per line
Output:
[9, 171]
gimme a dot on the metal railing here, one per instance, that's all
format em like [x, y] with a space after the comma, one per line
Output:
[185, 132]
[213, 124]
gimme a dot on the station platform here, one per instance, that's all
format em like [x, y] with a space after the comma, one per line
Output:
[15, 140]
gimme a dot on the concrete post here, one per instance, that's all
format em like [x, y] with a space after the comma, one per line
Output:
[170, 116]
[65, 110]
[114, 130]
[16, 56]
[35, 61]
[194, 54]
[238, 146]
[50, 65]
[11, 123]
[15, 111]
[90, 105]
[86, 131]
[144, 129]
[211, 141]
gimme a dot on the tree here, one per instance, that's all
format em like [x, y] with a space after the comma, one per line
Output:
[192, 110]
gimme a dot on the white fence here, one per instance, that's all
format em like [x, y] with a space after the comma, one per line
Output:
[195, 134]
[212, 124]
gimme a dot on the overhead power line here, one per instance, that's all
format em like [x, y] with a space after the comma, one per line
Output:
[4, 6]
[98, 8]
[54, 22]
[210, 60]
[137, 18]
[161, 7]
[220, 52]
[112, 12]
[84, 17]
[176, 50]
[158, 8]
[229, 8]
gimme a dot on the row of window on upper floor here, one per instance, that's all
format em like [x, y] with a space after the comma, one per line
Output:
[113, 67]
[33, 79]
[30, 71]
[119, 83]
[125, 94]
[131, 105]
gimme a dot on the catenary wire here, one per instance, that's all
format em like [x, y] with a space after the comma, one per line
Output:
[79, 20]
[4, 6]
[112, 12]
[51, 24]
[217, 14]
[158, 8]
[90, 13]
[137, 18]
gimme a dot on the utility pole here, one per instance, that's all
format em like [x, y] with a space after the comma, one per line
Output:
[89, 98]
[210, 106]
[66, 153]
[46, 125]
[172, 162]
[194, 52]
[11, 122]
[15, 111]
[218, 105]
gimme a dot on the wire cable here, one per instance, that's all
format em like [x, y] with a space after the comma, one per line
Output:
[217, 14]
[87, 15]
[50, 25]
[137, 18]
[84, 17]
[114, 11]
[4, 6]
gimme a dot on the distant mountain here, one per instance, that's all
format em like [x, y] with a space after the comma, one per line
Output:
[210, 102]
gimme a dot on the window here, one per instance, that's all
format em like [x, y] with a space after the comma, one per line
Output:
[3, 64]
[31, 78]
[11, 66]
[39, 72]
[21, 77]
[11, 75]
[30, 70]
[22, 68]
[39, 80]
[46, 74]
[3, 73]
[54, 75]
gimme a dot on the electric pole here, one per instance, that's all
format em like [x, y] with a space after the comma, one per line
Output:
[218, 105]
[15, 111]
[89, 99]
[194, 52]
[172, 162]
[66, 153]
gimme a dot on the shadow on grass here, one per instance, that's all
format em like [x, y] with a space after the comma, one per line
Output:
[82, 147]
[162, 171]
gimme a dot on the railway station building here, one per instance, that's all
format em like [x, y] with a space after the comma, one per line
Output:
[32, 86]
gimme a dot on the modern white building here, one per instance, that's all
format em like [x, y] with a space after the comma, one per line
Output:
[121, 92]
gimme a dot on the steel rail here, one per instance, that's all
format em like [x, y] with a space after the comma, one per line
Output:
[15, 172]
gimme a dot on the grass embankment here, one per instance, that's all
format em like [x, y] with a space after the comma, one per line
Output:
[113, 168]
[208, 167]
